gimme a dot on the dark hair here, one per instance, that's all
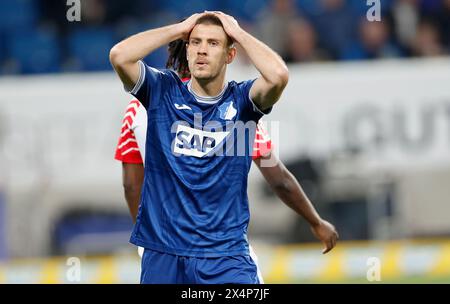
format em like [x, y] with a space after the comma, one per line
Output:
[177, 59]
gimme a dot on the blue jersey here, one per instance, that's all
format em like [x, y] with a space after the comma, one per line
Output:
[198, 155]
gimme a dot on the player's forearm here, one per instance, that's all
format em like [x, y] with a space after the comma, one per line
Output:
[132, 179]
[138, 46]
[292, 194]
[132, 196]
[271, 66]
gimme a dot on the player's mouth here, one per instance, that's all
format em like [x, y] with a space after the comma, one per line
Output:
[201, 63]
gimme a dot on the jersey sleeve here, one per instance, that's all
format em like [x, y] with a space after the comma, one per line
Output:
[249, 104]
[263, 143]
[149, 85]
[127, 150]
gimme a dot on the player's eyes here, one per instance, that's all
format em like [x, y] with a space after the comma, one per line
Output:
[211, 43]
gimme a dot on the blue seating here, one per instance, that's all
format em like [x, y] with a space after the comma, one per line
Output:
[183, 8]
[18, 14]
[90, 48]
[247, 10]
[2, 47]
[309, 7]
[35, 51]
[79, 231]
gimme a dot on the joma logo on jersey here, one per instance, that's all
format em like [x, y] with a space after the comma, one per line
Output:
[195, 142]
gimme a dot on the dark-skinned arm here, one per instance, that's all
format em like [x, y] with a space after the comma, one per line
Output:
[132, 179]
[287, 188]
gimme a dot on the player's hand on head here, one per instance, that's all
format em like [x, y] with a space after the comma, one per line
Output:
[230, 24]
[188, 24]
[327, 234]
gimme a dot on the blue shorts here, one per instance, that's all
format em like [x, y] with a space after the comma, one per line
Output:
[163, 268]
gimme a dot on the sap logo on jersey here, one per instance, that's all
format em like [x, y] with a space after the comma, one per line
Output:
[196, 142]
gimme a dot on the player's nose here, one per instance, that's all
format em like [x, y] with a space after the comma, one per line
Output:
[202, 49]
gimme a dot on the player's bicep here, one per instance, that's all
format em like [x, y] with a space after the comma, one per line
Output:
[265, 94]
[147, 82]
[129, 74]
[272, 174]
[132, 175]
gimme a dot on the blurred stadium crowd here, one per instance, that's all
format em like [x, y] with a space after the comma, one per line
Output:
[36, 37]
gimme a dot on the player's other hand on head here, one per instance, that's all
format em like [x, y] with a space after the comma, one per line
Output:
[326, 233]
[230, 24]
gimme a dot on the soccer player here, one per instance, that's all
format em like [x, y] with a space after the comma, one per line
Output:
[131, 152]
[193, 216]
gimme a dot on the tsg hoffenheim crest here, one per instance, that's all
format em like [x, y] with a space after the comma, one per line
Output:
[227, 111]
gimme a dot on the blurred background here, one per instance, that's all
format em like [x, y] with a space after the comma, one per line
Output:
[364, 125]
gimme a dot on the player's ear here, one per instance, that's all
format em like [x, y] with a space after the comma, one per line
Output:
[231, 54]
[187, 53]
